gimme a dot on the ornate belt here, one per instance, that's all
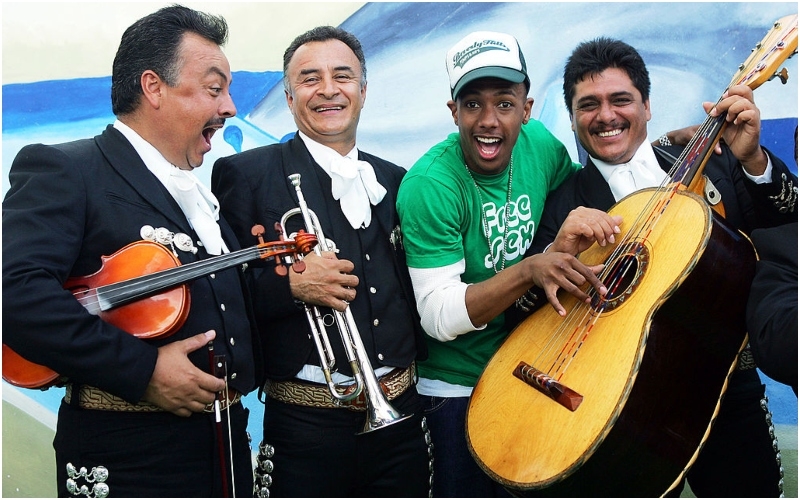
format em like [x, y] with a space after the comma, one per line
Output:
[300, 392]
[746, 359]
[92, 398]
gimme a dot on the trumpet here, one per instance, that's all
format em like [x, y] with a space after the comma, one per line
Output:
[380, 413]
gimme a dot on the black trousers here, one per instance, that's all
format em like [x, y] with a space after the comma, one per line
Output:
[317, 452]
[152, 454]
[738, 460]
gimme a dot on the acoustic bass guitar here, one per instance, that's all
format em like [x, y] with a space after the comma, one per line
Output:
[617, 398]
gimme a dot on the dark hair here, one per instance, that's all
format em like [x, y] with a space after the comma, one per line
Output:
[153, 43]
[323, 34]
[593, 57]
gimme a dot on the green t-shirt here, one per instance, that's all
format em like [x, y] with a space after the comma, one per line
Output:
[440, 216]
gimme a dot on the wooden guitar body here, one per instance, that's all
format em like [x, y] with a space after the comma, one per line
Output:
[652, 368]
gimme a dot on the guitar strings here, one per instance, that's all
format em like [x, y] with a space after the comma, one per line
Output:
[563, 345]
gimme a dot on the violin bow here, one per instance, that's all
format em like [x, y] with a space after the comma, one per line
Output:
[219, 369]
[224, 365]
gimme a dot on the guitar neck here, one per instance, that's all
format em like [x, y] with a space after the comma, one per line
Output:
[761, 66]
[688, 169]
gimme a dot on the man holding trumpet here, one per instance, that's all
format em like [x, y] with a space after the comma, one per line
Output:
[316, 442]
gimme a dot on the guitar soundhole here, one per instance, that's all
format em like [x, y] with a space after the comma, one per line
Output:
[623, 276]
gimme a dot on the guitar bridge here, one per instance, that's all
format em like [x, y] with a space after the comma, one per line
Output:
[548, 386]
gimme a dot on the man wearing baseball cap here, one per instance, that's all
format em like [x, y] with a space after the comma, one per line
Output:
[486, 54]
[468, 210]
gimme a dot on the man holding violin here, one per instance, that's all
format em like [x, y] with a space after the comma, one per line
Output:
[155, 417]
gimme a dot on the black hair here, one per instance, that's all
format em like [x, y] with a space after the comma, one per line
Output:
[595, 56]
[153, 43]
[323, 34]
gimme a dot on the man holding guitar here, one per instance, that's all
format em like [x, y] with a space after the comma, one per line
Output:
[606, 89]
[469, 208]
[141, 417]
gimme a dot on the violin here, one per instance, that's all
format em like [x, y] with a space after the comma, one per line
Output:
[142, 289]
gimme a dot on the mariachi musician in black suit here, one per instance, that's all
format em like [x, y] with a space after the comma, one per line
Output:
[276, 308]
[606, 89]
[353, 196]
[772, 306]
[138, 416]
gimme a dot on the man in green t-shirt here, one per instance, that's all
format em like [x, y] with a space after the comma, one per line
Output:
[469, 209]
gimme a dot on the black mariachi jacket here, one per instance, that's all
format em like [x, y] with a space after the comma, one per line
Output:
[69, 205]
[253, 188]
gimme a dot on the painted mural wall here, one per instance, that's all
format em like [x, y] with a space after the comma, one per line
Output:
[56, 83]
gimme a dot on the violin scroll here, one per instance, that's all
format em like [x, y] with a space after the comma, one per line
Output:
[304, 243]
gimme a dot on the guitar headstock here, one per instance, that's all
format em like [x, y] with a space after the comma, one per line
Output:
[779, 44]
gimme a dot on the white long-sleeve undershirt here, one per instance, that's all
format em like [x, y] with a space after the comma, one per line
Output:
[441, 301]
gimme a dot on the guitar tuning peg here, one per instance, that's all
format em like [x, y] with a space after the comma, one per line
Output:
[783, 75]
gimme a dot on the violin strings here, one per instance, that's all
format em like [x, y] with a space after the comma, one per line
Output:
[91, 298]
[114, 291]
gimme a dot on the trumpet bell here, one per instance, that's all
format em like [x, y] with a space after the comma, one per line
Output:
[381, 417]
[380, 413]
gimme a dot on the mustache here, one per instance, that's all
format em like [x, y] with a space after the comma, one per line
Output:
[215, 122]
[610, 126]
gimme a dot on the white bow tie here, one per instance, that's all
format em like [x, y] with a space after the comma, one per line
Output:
[632, 176]
[354, 184]
[200, 207]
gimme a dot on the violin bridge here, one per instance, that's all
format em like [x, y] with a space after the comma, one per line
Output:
[548, 386]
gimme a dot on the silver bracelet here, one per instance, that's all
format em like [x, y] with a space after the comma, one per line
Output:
[664, 140]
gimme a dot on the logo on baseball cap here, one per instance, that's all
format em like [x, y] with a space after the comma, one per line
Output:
[485, 54]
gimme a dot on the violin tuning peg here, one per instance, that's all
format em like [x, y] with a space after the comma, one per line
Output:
[258, 232]
[298, 266]
[281, 270]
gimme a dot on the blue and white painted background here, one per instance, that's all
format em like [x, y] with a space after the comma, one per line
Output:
[57, 59]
